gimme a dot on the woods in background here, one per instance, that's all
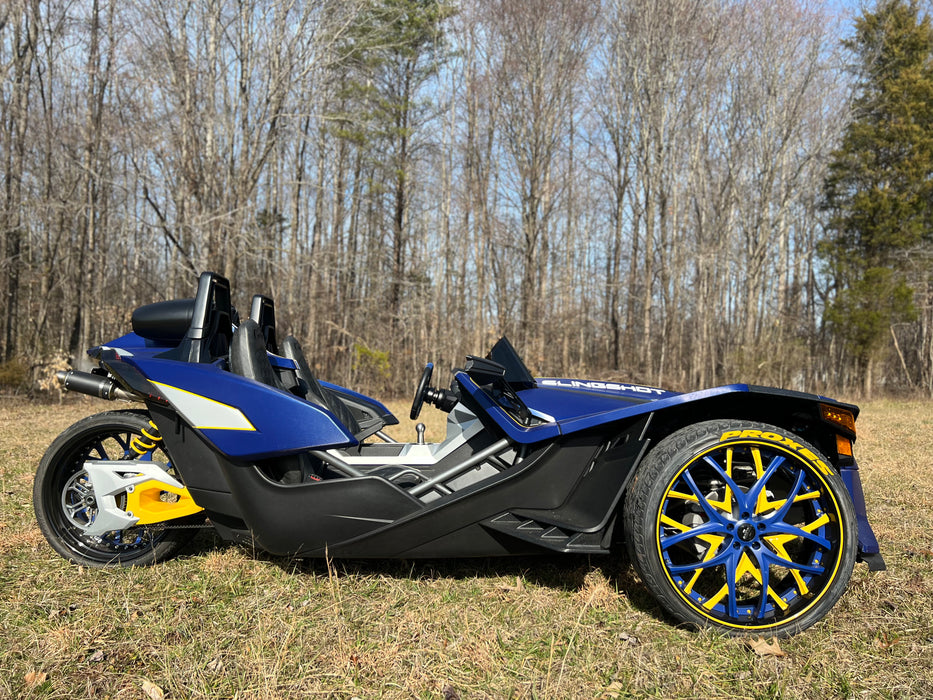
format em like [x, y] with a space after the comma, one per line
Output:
[665, 192]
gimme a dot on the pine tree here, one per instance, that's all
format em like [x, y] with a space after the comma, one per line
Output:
[390, 52]
[879, 189]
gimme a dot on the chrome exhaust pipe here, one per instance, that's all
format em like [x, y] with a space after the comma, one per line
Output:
[93, 385]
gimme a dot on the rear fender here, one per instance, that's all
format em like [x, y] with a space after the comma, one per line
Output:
[240, 417]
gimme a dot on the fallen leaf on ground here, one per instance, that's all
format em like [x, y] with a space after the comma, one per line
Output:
[613, 690]
[153, 691]
[34, 678]
[763, 647]
[886, 641]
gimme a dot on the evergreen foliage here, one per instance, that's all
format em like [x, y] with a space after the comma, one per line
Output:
[879, 188]
[387, 57]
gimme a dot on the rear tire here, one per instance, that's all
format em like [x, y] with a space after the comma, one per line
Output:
[741, 526]
[63, 500]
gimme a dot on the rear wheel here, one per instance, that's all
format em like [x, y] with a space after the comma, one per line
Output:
[741, 526]
[64, 500]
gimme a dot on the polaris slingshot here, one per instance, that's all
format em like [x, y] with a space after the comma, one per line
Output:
[740, 506]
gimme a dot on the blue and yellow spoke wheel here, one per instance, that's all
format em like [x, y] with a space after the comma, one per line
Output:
[741, 526]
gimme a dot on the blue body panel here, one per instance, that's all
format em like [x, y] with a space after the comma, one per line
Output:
[283, 423]
[515, 430]
[575, 422]
[867, 542]
[568, 407]
[136, 346]
[619, 390]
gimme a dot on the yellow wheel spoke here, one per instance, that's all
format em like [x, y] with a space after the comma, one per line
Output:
[763, 505]
[727, 497]
[714, 541]
[717, 598]
[759, 467]
[670, 522]
[819, 522]
[745, 566]
[778, 600]
[809, 496]
[683, 496]
[777, 542]
[724, 505]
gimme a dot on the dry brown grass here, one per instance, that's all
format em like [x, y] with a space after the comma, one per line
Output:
[224, 622]
[435, 422]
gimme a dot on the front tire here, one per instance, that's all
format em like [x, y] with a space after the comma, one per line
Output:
[64, 501]
[741, 526]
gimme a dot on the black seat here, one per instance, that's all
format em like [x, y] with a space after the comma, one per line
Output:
[210, 327]
[248, 355]
[248, 358]
[310, 388]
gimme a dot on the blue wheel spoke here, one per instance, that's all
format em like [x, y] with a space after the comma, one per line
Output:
[779, 514]
[711, 512]
[787, 529]
[765, 572]
[731, 566]
[759, 485]
[704, 529]
[788, 564]
[718, 560]
[737, 492]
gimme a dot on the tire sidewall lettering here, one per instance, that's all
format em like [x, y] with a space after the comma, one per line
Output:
[738, 436]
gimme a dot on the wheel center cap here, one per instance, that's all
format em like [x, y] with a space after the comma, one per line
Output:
[745, 532]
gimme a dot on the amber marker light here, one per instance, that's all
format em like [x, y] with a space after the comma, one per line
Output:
[838, 416]
[843, 445]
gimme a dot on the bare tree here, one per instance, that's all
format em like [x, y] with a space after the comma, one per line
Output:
[542, 55]
[19, 24]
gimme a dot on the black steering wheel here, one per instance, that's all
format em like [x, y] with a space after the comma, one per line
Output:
[422, 390]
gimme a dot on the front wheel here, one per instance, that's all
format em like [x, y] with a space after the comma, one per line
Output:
[65, 503]
[741, 526]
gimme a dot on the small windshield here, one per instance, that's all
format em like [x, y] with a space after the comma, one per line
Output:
[516, 373]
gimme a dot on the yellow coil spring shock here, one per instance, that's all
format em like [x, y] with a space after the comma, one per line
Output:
[147, 442]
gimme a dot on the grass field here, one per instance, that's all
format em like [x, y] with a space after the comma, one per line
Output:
[222, 621]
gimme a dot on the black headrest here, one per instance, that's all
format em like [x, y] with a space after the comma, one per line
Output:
[164, 321]
[248, 355]
[262, 311]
